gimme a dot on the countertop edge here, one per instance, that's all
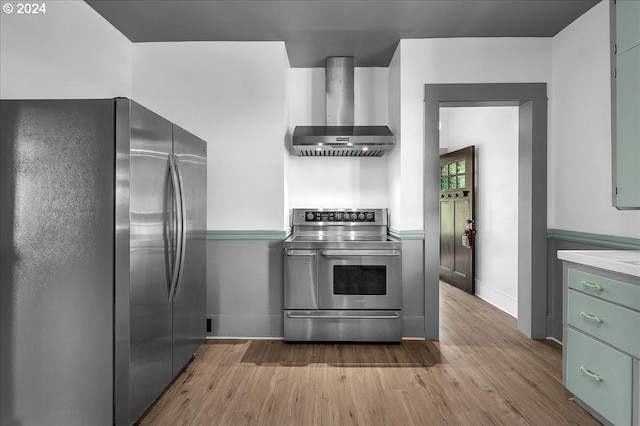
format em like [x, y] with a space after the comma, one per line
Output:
[604, 259]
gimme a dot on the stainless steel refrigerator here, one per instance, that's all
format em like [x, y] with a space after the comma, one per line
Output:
[103, 259]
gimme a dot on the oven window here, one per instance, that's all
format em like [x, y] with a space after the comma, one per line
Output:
[360, 279]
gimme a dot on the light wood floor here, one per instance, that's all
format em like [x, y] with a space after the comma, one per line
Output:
[482, 371]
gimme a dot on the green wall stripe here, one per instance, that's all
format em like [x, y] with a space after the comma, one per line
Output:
[612, 241]
[247, 235]
[411, 234]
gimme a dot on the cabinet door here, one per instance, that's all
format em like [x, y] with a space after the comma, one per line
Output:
[627, 24]
[625, 38]
[628, 129]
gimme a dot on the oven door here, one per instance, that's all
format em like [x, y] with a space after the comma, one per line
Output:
[359, 279]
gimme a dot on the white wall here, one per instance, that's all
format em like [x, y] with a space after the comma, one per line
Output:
[337, 182]
[580, 148]
[494, 133]
[68, 52]
[234, 96]
[460, 60]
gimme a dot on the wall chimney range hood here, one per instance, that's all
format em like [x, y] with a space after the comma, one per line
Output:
[340, 138]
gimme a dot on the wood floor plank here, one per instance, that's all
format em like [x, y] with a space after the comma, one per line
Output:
[482, 371]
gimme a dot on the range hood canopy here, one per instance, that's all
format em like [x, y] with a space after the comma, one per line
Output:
[340, 138]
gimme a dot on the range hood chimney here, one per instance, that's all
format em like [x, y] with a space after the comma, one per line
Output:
[339, 88]
[340, 138]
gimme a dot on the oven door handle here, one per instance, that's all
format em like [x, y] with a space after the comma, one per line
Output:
[393, 315]
[301, 253]
[343, 253]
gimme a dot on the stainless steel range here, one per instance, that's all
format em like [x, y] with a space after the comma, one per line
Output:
[343, 277]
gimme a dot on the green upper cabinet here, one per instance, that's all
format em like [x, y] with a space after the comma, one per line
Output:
[626, 103]
[628, 129]
[627, 24]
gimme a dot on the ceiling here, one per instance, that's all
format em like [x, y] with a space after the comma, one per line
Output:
[369, 30]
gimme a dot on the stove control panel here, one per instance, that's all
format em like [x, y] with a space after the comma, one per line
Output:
[340, 216]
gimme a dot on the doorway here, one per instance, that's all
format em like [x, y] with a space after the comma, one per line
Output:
[531, 100]
[493, 131]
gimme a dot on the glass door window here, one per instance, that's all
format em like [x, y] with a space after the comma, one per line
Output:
[366, 280]
[452, 175]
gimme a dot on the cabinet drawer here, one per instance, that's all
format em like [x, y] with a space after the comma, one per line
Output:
[611, 323]
[600, 376]
[606, 288]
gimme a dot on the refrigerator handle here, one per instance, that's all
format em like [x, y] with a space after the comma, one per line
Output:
[177, 206]
[183, 223]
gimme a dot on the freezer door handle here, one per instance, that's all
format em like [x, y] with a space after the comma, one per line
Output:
[183, 222]
[177, 199]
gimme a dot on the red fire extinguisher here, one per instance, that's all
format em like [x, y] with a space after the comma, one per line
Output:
[467, 236]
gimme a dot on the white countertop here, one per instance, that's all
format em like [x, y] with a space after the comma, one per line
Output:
[621, 261]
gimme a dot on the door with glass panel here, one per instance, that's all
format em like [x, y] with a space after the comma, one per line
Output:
[457, 211]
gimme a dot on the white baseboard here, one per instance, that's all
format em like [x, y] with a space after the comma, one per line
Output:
[497, 298]
[553, 339]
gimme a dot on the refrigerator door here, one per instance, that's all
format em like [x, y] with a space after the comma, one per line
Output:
[56, 273]
[152, 247]
[189, 303]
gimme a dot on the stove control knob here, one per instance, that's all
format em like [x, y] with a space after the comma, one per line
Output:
[310, 216]
[361, 216]
[369, 216]
[353, 216]
[338, 216]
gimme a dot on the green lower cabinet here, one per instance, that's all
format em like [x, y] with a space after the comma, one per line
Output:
[637, 392]
[608, 289]
[600, 376]
[614, 324]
